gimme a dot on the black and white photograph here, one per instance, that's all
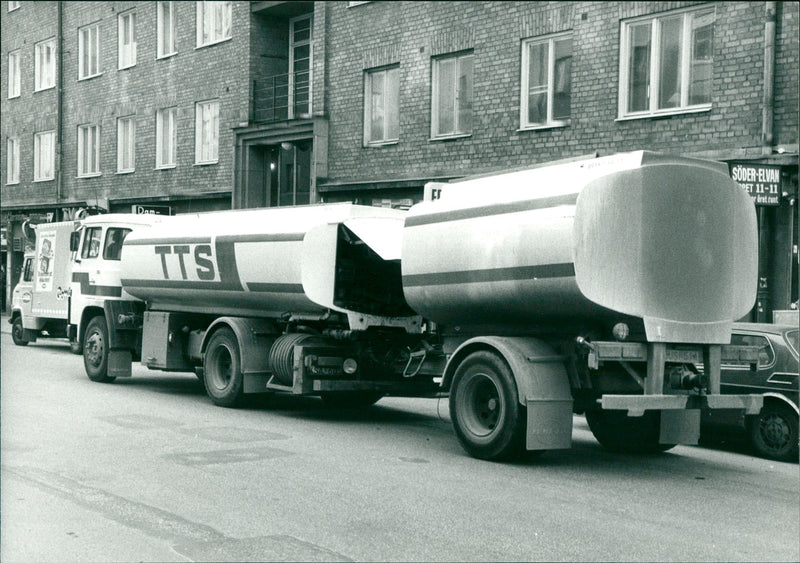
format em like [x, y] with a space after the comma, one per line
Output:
[399, 281]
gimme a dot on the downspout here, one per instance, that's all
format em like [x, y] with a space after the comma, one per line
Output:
[60, 110]
[769, 79]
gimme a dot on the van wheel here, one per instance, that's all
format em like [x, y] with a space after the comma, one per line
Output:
[487, 416]
[95, 350]
[773, 432]
[75, 347]
[222, 369]
[17, 331]
[618, 432]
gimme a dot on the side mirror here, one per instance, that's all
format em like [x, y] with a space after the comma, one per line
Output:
[74, 241]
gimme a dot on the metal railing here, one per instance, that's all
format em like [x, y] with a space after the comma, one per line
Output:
[282, 97]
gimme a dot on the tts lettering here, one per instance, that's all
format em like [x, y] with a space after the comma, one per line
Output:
[202, 259]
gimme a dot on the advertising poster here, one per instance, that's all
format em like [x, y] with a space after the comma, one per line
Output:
[45, 265]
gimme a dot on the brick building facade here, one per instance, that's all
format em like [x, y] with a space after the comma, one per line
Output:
[369, 101]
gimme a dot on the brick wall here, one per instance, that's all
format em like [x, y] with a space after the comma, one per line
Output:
[410, 33]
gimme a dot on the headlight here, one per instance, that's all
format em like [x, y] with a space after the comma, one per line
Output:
[350, 366]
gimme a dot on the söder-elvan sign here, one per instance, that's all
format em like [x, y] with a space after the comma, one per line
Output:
[761, 181]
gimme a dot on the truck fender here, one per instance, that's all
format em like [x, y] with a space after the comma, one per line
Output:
[542, 385]
[255, 338]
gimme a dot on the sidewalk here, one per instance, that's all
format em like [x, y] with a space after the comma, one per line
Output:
[4, 326]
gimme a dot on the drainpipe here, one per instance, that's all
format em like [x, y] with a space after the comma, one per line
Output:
[60, 129]
[769, 79]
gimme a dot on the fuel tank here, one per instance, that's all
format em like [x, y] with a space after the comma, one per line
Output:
[300, 261]
[670, 240]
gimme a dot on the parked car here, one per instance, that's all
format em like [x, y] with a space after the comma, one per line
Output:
[774, 432]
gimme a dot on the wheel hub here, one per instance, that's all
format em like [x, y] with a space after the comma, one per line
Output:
[775, 431]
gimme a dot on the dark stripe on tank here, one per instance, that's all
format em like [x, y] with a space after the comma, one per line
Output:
[490, 210]
[547, 271]
[275, 287]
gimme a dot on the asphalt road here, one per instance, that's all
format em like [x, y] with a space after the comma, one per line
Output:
[147, 469]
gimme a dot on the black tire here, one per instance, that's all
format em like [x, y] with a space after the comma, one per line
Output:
[17, 332]
[222, 369]
[75, 347]
[773, 432]
[350, 399]
[487, 416]
[618, 432]
[95, 350]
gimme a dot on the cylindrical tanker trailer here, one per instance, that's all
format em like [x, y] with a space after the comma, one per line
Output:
[606, 286]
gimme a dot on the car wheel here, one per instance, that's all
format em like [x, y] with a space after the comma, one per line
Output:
[17, 331]
[773, 432]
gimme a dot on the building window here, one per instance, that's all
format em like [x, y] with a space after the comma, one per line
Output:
[12, 5]
[89, 51]
[127, 39]
[546, 81]
[166, 137]
[206, 132]
[666, 64]
[12, 161]
[166, 30]
[381, 106]
[126, 144]
[213, 22]
[44, 71]
[44, 156]
[88, 150]
[451, 112]
[13, 74]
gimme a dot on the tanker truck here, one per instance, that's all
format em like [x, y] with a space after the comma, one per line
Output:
[605, 286]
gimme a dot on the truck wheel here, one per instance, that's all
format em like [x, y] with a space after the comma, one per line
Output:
[222, 369]
[95, 350]
[350, 399]
[17, 331]
[487, 417]
[773, 432]
[618, 432]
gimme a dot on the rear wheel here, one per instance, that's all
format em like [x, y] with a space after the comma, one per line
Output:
[222, 372]
[773, 432]
[95, 350]
[618, 432]
[17, 331]
[487, 417]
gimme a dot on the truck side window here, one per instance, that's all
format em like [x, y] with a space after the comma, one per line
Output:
[114, 238]
[27, 274]
[91, 243]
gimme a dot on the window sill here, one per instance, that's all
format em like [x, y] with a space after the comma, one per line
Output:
[13, 97]
[449, 137]
[35, 181]
[123, 172]
[377, 145]
[126, 67]
[166, 167]
[89, 77]
[44, 89]
[558, 125]
[12, 183]
[92, 175]
[166, 56]
[209, 163]
[666, 113]
[212, 43]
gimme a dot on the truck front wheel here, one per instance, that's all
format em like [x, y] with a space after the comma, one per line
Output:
[222, 369]
[487, 417]
[95, 350]
[17, 331]
[618, 432]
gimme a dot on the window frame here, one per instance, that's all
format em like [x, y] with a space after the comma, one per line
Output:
[172, 113]
[44, 74]
[163, 7]
[656, 22]
[13, 5]
[226, 10]
[38, 175]
[369, 77]
[12, 161]
[14, 77]
[126, 52]
[87, 253]
[82, 173]
[436, 63]
[550, 121]
[200, 156]
[126, 144]
[95, 51]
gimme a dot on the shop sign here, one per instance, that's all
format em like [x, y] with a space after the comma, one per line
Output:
[151, 209]
[762, 182]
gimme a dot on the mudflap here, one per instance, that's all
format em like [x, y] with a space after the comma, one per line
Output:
[549, 424]
[255, 382]
[680, 426]
[119, 363]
